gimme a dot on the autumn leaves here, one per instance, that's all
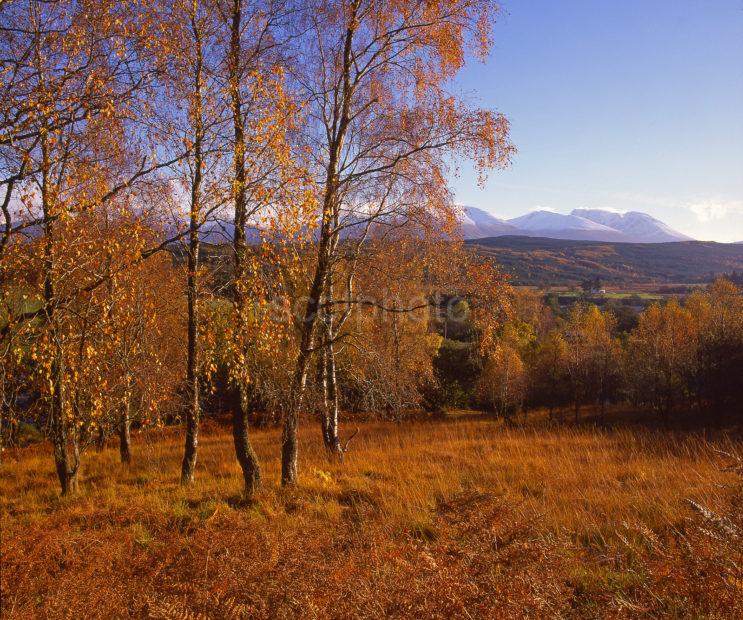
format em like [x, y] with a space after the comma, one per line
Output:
[326, 128]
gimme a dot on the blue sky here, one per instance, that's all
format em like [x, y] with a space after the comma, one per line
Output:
[631, 105]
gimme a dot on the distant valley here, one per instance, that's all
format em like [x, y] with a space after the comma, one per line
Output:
[562, 262]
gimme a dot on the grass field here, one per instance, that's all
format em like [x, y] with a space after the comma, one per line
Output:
[455, 518]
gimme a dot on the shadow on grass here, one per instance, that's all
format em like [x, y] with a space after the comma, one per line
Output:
[239, 501]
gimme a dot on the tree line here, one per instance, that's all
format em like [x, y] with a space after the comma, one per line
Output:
[677, 357]
[314, 137]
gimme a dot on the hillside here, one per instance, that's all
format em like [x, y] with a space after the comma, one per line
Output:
[562, 262]
[542, 261]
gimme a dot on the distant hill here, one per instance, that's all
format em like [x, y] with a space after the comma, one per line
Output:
[541, 261]
[580, 224]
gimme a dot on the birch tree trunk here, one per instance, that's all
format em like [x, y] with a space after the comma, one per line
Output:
[125, 451]
[329, 379]
[66, 465]
[193, 411]
[246, 456]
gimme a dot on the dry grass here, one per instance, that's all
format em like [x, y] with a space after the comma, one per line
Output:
[461, 518]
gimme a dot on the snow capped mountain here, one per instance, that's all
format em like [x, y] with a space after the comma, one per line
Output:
[477, 224]
[560, 226]
[641, 227]
[549, 220]
[580, 224]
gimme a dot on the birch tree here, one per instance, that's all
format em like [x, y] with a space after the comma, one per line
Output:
[381, 129]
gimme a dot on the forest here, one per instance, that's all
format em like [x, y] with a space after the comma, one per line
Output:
[235, 305]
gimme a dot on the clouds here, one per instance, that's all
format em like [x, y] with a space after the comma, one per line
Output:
[713, 210]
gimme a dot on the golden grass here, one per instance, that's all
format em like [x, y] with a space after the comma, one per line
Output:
[441, 519]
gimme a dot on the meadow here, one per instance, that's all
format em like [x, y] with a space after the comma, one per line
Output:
[460, 517]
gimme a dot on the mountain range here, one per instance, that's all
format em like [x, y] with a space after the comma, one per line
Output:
[579, 224]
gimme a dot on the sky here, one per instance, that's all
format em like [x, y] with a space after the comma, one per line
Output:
[633, 106]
